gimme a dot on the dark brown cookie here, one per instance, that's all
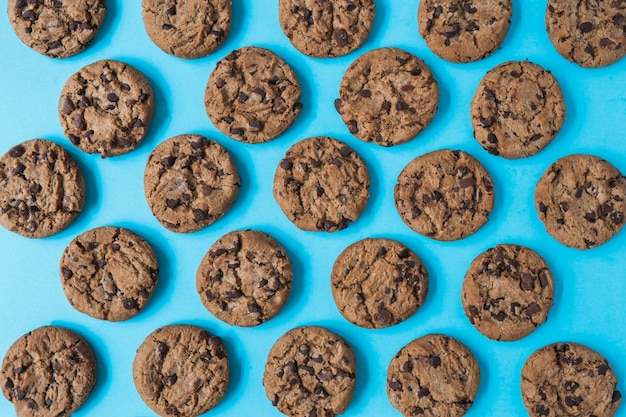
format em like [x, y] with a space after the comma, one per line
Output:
[106, 108]
[387, 96]
[580, 199]
[48, 372]
[109, 273]
[377, 283]
[187, 29]
[190, 182]
[433, 376]
[508, 292]
[326, 28]
[445, 195]
[589, 33]
[245, 278]
[252, 95]
[42, 189]
[568, 379]
[517, 110]
[464, 30]
[181, 370]
[56, 28]
[321, 184]
[310, 371]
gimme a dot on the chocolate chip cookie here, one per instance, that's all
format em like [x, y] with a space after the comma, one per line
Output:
[48, 372]
[326, 28]
[321, 184]
[310, 371]
[387, 96]
[517, 110]
[580, 199]
[445, 195]
[190, 182]
[106, 108]
[434, 375]
[568, 379]
[252, 95]
[42, 189]
[377, 283]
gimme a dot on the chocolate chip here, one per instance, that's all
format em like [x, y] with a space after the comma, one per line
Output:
[573, 401]
[395, 385]
[286, 164]
[31, 404]
[341, 37]
[336, 162]
[352, 127]
[338, 103]
[79, 121]
[435, 361]
[365, 93]
[200, 215]
[586, 27]
[167, 26]
[499, 317]
[67, 273]
[532, 309]
[542, 410]
[130, 304]
[527, 282]
[8, 384]
[602, 369]
[467, 182]
[616, 396]
[19, 169]
[170, 11]
[171, 379]
[113, 98]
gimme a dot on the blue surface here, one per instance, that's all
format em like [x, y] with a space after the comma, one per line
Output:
[590, 285]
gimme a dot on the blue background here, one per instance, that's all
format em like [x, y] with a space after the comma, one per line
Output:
[590, 285]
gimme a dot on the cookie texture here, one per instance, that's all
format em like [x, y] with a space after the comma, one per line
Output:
[464, 30]
[181, 370]
[42, 189]
[387, 96]
[253, 95]
[48, 372]
[106, 108]
[109, 273]
[433, 376]
[326, 28]
[508, 291]
[517, 110]
[589, 33]
[445, 195]
[187, 29]
[310, 371]
[190, 182]
[321, 184]
[377, 283]
[245, 278]
[580, 199]
[569, 379]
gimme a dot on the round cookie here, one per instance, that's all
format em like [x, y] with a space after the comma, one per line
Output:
[591, 34]
[252, 95]
[445, 195]
[58, 29]
[517, 110]
[568, 379]
[508, 292]
[580, 199]
[434, 375]
[109, 273]
[181, 370]
[48, 372]
[190, 182]
[42, 189]
[106, 108]
[377, 283]
[387, 96]
[245, 278]
[187, 29]
[324, 29]
[310, 371]
[462, 30]
[321, 184]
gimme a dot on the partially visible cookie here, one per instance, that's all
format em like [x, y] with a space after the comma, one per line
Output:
[252, 95]
[377, 283]
[326, 28]
[445, 195]
[181, 370]
[42, 189]
[321, 184]
[387, 96]
[190, 182]
[517, 110]
[310, 371]
[48, 372]
[580, 199]
[434, 375]
[568, 379]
